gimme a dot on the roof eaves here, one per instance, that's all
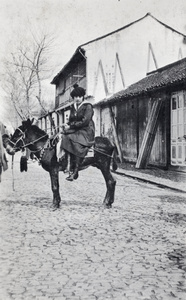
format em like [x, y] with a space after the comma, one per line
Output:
[108, 34]
[113, 32]
[64, 67]
[94, 40]
[130, 24]
[167, 26]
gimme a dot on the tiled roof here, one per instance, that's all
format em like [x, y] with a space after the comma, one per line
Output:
[164, 77]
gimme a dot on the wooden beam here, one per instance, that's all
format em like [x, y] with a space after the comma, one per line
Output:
[100, 69]
[103, 76]
[180, 55]
[149, 136]
[100, 66]
[120, 69]
[116, 140]
[151, 51]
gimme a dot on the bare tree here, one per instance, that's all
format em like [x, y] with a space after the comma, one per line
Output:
[25, 70]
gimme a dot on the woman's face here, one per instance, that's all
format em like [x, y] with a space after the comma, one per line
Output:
[78, 100]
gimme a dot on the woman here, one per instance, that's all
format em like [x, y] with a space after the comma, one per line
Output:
[80, 132]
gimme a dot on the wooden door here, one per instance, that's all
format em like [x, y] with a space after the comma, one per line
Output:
[106, 125]
[127, 129]
[178, 128]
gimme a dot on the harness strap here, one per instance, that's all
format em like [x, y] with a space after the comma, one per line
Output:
[13, 173]
[97, 150]
[43, 150]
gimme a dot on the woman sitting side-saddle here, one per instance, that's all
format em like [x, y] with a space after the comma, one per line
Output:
[79, 133]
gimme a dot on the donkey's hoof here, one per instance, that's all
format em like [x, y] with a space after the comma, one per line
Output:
[107, 205]
[55, 206]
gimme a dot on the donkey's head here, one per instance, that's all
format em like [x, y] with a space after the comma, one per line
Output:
[17, 140]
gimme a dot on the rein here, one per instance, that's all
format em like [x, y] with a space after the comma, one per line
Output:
[32, 143]
[96, 150]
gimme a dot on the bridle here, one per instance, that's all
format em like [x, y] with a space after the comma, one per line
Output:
[24, 145]
[21, 138]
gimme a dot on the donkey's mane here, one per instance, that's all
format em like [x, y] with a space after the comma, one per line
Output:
[39, 130]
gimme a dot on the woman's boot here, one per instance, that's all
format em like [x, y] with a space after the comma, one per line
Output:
[75, 174]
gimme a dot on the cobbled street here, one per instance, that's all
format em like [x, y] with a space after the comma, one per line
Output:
[134, 251]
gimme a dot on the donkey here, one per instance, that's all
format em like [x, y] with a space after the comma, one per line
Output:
[38, 142]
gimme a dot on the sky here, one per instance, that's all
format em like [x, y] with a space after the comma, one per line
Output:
[74, 22]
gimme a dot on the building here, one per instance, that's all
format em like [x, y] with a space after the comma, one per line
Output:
[112, 63]
[149, 118]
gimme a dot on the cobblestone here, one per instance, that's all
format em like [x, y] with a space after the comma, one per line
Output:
[136, 250]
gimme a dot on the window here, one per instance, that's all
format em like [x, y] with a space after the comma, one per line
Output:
[174, 106]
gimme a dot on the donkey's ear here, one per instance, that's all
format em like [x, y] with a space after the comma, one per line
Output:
[26, 123]
[29, 122]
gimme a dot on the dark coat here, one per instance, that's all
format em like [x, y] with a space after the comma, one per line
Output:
[81, 134]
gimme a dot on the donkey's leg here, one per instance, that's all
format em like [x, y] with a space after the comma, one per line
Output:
[88, 161]
[54, 176]
[110, 183]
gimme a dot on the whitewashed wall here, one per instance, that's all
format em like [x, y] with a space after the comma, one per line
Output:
[132, 46]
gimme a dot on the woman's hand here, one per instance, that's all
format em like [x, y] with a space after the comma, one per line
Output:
[66, 127]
